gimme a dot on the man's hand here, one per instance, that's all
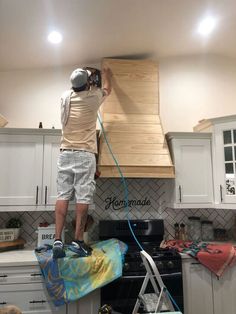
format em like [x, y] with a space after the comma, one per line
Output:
[106, 77]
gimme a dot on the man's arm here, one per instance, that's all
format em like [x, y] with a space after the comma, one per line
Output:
[106, 80]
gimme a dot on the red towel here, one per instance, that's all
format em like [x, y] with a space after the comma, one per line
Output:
[216, 257]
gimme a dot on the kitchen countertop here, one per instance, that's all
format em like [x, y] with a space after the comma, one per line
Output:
[27, 257]
[18, 258]
[186, 256]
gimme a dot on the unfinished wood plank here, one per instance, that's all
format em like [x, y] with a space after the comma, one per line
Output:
[128, 148]
[142, 70]
[135, 160]
[133, 87]
[125, 106]
[132, 128]
[134, 138]
[131, 118]
[138, 172]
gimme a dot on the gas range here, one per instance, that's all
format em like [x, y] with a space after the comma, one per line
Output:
[167, 261]
[150, 233]
[122, 293]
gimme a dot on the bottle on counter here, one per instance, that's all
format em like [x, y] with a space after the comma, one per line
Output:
[176, 226]
[194, 228]
[40, 125]
[207, 230]
[182, 232]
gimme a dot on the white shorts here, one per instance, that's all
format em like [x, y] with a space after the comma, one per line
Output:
[76, 170]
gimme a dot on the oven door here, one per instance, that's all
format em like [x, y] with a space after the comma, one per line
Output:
[122, 293]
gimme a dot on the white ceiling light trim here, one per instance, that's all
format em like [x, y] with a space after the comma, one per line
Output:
[55, 37]
[207, 25]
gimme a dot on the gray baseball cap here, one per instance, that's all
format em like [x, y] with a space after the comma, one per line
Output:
[79, 77]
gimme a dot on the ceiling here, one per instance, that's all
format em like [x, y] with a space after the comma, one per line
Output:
[93, 29]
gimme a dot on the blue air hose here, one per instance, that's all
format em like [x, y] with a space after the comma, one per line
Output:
[123, 181]
[127, 198]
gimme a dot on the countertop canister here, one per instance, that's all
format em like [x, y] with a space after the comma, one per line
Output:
[194, 228]
[207, 230]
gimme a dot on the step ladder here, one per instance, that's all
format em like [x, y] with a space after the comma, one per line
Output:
[159, 301]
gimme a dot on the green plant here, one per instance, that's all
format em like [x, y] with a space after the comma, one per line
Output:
[14, 223]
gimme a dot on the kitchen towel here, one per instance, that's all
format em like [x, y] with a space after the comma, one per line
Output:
[216, 257]
[70, 278]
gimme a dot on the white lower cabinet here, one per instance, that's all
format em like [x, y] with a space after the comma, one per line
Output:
[30, 298]
[197, 286]
[224, 292]
[206, 294]
[89, 304]
[23, 286]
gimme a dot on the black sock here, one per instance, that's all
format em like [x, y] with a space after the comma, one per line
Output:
[79, 241]
[57, 240]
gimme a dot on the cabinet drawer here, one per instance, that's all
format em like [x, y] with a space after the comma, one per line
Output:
[30, 274]
[30, 298]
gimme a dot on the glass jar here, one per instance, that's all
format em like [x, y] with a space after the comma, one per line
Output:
[194, 229]
[207, 230]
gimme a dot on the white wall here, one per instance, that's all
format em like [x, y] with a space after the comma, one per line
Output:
[195, 88]
[191, 88]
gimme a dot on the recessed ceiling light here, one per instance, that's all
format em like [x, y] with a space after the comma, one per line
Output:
[55, 37]
[206, 26]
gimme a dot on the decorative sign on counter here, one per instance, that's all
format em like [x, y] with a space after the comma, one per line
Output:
[116, 204]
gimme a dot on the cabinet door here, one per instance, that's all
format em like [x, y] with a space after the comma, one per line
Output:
[30, 298]
[51, 152]
[224, 292]
[21, 159]
[20, 274]
[193, 171]
[89, 304]
[197, 286]
[225, 162]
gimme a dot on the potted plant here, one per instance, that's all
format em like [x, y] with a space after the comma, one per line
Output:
[14, 223]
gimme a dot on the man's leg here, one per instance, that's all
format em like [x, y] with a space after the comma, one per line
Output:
[78, 246]
[60, 216]
[81, 218]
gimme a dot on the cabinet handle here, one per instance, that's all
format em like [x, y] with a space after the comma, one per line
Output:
[35, 274]
[41, 301]
[221, 194]
[180, 194]
[46, 194]
[3, 276]
[3, 303]
[37, 195]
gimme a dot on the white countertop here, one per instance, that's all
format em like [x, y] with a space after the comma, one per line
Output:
[27, 257]
[18, 258]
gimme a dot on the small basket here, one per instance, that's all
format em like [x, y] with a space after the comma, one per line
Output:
[9, 234]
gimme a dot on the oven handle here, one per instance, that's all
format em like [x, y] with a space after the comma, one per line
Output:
[162, 275]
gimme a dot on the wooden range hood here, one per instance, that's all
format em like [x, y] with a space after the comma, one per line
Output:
[132, 123]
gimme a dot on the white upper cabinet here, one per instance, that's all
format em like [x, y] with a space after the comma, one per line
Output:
[224, 158]
[21, 175]
[191, 154]
[51, 152]
[225, 162]
[28, 160]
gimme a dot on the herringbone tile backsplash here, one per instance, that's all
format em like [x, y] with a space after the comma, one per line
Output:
[147, 200]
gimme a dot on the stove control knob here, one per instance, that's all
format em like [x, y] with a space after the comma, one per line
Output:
[160, 265]
[126, 266]
[170, 264]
